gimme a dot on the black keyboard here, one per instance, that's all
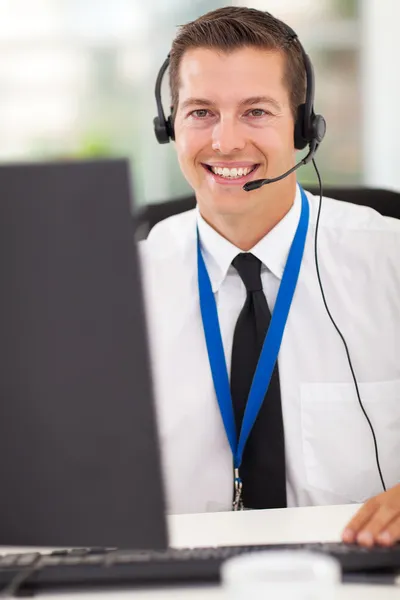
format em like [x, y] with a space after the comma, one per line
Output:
[82, 568]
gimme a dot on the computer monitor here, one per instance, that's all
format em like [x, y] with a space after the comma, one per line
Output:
[79, 458]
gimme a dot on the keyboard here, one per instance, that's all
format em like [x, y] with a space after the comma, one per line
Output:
[91, 568]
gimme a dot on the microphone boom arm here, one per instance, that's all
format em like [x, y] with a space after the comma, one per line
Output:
[255, 185]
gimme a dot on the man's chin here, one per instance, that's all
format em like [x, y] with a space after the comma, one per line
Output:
[233, 203]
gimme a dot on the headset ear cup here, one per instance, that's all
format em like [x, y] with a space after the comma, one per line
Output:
[161, 130]
[300, 129]
[318, 128]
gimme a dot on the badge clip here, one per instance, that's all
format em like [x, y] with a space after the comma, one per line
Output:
[237, 501]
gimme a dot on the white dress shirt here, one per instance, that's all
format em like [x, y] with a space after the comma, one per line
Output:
[330, 457]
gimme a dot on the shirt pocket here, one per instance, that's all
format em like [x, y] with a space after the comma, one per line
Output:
[337, 442]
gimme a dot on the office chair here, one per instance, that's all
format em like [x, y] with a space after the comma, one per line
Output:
[383, 201]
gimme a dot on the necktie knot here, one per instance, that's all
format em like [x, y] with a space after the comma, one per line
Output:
[249, 268]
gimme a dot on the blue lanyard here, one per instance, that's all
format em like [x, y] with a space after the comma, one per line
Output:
[272, 342]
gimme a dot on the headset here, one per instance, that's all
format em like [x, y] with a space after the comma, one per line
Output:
[309, 130]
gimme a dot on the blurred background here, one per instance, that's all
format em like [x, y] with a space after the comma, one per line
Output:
[77, 81]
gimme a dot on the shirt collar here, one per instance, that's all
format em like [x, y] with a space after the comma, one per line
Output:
[272, 250]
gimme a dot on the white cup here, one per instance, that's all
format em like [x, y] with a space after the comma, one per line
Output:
[281, 575]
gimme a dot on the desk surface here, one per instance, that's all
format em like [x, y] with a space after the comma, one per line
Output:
[323, 523]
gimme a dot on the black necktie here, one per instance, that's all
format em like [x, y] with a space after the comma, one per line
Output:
[263, 466]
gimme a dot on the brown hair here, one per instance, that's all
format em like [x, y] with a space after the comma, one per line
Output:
[231, 28]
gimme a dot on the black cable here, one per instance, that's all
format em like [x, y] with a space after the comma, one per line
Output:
[338, 330]
[13, 587]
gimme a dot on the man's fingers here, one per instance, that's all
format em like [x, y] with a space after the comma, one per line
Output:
[390, 534]
[377, 523]
[362, 516]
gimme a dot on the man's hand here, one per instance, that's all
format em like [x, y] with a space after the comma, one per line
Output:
[377, 521]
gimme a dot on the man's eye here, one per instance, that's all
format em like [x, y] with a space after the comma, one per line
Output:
[200, 113]
[257, 112]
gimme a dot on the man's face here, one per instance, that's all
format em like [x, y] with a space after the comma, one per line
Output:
[233, 125]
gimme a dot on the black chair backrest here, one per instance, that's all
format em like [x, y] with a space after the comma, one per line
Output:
[386, 202]
[383, 201]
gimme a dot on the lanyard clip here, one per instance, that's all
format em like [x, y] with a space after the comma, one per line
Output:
[237, 501]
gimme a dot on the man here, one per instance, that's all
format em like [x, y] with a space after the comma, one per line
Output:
[237, 78]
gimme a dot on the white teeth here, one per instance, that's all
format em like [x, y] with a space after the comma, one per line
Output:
[231, 173]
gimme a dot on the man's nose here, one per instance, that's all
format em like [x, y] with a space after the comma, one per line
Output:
[227, 137]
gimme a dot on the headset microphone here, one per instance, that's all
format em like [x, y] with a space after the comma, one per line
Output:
[254, 185]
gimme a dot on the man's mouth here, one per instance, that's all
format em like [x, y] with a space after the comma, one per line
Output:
[231, 173]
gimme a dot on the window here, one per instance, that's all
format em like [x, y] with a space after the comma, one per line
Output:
[77, 80]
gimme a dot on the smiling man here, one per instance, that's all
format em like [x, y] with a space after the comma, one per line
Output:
[241, 424]
[215, 120]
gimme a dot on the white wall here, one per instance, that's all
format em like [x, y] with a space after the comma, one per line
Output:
[380, 92]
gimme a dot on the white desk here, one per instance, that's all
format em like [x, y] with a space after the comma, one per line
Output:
[323, 523]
